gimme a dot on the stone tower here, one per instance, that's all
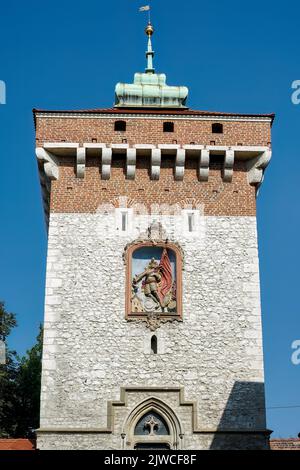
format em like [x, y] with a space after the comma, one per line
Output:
[152, 332]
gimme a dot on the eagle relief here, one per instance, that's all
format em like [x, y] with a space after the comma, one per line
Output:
[153, 284]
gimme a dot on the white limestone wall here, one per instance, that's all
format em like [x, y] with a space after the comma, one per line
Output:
[91, 351]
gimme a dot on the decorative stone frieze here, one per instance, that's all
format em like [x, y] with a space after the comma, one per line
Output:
[257, 158]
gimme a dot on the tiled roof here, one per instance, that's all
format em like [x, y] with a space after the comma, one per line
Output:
[17, 444]
[285, 444]
[180, 112]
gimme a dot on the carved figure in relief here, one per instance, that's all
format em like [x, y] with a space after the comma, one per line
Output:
[158, 286]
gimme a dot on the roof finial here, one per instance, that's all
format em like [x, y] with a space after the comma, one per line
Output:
[149, 31]
[150, 53]
[149, 89]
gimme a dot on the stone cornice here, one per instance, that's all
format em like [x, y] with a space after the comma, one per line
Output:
[265, 432]
[193, 117]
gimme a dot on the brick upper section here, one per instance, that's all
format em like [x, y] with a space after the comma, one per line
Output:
[51, 128]
[72, 194]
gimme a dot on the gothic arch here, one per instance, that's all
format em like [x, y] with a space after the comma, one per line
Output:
[153, 405]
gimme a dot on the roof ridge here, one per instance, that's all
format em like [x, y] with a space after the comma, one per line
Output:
[151, 111]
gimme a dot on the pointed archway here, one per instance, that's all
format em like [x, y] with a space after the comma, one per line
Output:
[152, 424]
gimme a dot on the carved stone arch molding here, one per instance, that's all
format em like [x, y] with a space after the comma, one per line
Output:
[153, 281]
[153, 407]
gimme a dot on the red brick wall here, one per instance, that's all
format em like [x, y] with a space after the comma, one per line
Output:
[150, 131]
[71, 194]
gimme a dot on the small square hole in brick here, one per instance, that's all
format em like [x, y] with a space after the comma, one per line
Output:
[168, 127]
[120, 126]
[217, 128]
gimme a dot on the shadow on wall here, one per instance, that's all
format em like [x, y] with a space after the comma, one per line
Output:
[243, 423]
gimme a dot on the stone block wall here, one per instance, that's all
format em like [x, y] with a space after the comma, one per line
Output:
[91, 351]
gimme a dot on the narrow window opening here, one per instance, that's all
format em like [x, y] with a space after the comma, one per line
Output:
[120, 126]
[124, 221]
[154, 344]
[191, 222]
[217, 128]
[168, 126]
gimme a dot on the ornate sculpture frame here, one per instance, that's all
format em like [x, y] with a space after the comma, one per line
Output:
[153, 319]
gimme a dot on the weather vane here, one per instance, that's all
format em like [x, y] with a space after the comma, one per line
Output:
[148, 9]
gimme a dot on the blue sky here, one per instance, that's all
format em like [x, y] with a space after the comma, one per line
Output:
[234, 56]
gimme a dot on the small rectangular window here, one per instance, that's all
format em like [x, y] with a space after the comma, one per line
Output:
[124, 221]
[191, 222]
[120, 126]
[168, 126]
[217, 128]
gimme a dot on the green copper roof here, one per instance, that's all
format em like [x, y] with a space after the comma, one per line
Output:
[150, 89]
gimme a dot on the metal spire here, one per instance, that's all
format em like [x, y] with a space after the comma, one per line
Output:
[150, 53]
[149, 89]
